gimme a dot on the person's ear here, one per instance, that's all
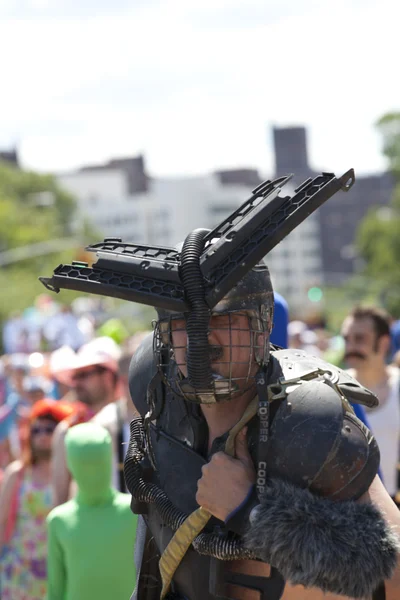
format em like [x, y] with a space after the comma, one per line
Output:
[384, 344]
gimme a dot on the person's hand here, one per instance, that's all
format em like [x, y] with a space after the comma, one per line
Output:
[226, 481]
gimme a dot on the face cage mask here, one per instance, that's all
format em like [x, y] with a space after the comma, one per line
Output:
[239, 346]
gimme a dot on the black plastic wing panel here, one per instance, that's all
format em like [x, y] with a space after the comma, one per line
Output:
[145, 274]
[150, 274]
[149, 261]
[136, 251]
[253, 230]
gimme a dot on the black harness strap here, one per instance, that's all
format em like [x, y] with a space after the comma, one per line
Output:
[269, 588]
[264, 420]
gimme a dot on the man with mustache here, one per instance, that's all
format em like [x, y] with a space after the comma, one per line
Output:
[366, 332]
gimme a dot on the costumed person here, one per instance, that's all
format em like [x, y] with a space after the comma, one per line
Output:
[312, 523]
[253, 476]
[25, 501]
[91, 537]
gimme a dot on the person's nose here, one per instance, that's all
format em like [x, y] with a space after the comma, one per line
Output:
[215, 340]
[350, 347]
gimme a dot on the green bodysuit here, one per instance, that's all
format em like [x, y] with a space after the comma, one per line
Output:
[91, 538]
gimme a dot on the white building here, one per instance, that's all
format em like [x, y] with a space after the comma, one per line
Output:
[104, 201]
[170, 208]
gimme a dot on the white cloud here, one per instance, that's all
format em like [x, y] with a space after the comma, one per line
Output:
[195, 85]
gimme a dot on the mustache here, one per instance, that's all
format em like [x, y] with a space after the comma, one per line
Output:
[355, 355]
[215, 353]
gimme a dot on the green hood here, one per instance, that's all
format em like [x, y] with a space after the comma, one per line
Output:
[89, 459]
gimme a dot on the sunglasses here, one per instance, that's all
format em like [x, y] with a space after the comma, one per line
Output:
[47, 429]
[86, 374]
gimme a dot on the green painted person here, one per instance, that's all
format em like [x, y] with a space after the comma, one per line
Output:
[91, 538]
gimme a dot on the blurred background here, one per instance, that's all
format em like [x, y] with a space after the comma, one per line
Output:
[146, 120]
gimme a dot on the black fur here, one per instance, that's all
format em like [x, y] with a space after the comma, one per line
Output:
[340, 547]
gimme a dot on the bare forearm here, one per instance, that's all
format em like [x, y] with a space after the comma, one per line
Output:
[378, 495]
[393, 586]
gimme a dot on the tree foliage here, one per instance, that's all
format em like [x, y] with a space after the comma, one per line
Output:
[33, 209]
[378, 237]
[389, 128]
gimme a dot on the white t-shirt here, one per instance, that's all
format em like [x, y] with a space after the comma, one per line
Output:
[385, 426]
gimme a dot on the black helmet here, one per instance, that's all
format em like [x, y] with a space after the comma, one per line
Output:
[236, 346]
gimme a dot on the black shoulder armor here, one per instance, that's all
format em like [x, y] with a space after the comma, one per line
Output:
[297, 363]
[141, 371]
[316, 441]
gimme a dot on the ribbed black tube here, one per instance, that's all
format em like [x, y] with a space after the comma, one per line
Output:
[142, 490]
[221, 547]
[218, 546]
[198, 355]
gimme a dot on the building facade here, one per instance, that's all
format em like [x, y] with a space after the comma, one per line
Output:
[338, 220]
[10, 157]
[121, 200]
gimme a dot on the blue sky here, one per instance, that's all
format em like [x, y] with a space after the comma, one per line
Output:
[196, 84]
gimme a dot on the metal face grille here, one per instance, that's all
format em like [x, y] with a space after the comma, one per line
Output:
[237, 346]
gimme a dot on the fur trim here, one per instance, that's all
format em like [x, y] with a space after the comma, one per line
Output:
[340, 547]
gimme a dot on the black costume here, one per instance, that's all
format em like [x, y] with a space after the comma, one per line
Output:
[315, 441]
[313, 456]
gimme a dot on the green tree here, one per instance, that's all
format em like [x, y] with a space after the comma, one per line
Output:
[33, 210]
[378, 238]
[38, 231]
[389, 128]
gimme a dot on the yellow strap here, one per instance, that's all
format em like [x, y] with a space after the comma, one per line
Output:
[195, 523]
[248, 414]
[179, 544]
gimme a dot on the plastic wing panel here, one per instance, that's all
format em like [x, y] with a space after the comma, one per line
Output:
[106, 280]
[150, 274]
[142, 261]
[248, 235]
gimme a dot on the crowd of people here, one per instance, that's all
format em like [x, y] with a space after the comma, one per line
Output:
[58, 373]
[65, 411]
